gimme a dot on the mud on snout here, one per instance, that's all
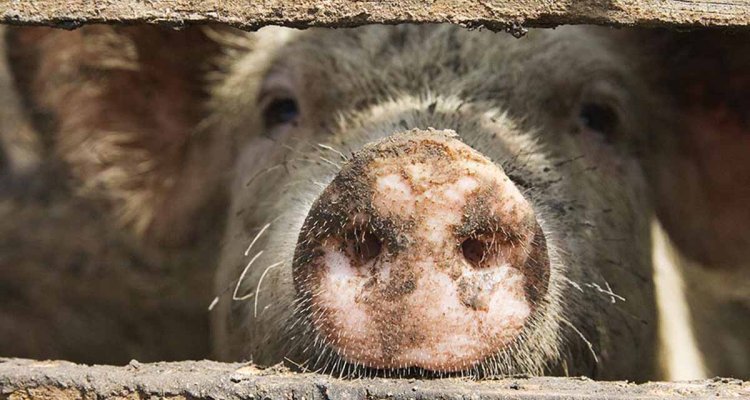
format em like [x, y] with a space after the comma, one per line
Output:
[421, 253]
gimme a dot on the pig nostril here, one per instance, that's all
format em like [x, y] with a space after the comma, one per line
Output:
[473, 251]
[366, 246]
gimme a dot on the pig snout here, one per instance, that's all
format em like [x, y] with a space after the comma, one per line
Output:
[422, 253]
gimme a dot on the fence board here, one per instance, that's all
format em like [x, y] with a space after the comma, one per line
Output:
[496, 14]
[26, 379]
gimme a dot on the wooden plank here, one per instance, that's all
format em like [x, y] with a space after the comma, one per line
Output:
[495, 14]
[27, 379]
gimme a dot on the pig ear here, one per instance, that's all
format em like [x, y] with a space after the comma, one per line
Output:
[700, 167]
[121, 106]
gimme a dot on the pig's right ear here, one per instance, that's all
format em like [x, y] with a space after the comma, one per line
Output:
[122, 106]
[698, 158]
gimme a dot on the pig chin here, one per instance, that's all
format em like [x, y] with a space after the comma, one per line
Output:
[421, 253]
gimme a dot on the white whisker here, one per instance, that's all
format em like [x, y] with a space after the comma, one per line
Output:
[213, 304]
[327, 147]
[329, 161]
[256, 238]
[591, 347]
[257, 289]
[242, 276]
[262, 172]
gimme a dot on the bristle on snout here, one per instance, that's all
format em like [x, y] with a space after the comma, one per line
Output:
[420, 253]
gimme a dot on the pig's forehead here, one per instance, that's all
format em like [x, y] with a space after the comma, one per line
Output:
[449, 50]
[366, 64]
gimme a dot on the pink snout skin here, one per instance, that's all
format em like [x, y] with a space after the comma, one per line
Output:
[420, 253]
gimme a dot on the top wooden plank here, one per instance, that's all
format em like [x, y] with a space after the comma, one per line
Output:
[494, 14]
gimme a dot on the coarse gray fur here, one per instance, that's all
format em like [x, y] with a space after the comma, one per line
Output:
[517, 102]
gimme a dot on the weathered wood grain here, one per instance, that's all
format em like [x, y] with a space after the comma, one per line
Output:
[26, 379]
[495, 14]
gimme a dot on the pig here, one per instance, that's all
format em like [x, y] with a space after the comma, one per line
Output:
[430, 201]
[394, 200]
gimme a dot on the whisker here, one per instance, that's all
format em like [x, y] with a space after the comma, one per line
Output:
[242, 276]
[580, 334]
[329, 162]
[327, 147]
[262, 172]
[257, 289]
[262, 230]
[216, 299]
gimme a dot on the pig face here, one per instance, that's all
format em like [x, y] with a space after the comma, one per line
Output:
[428, 200]
[518, 185]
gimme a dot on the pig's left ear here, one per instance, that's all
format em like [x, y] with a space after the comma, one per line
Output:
[122, 106]
[698, 158]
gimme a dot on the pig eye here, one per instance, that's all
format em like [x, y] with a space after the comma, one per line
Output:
[280, 112]
[599, 118]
